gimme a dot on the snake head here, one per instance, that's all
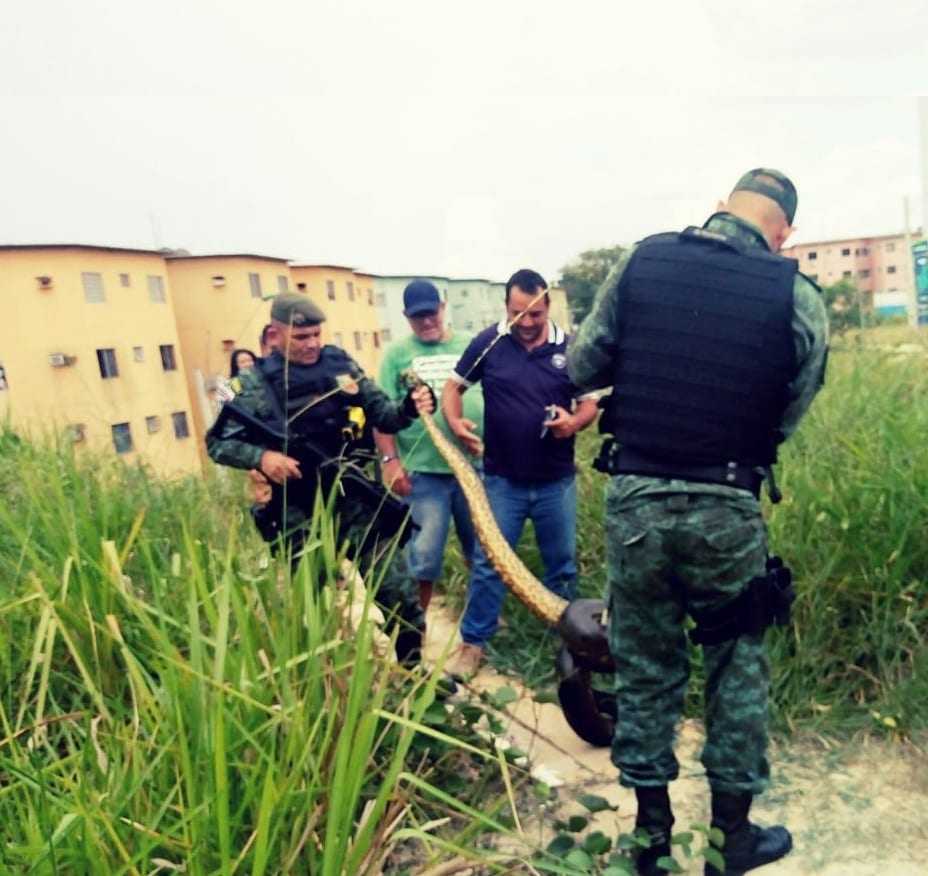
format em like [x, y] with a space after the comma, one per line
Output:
[410, 379]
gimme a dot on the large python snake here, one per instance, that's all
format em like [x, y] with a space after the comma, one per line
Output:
[590, 713]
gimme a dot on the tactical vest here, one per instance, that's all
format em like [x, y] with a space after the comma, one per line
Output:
[310, 393]
[705, 350]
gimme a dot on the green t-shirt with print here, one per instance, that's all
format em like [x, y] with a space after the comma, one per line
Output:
[434, 364]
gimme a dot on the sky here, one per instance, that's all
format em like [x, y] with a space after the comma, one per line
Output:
[471, 139]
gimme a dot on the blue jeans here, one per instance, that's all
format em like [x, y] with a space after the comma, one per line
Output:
[552, 508]
[434, 500]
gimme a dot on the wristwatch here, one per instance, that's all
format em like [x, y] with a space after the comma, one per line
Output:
[387, 458]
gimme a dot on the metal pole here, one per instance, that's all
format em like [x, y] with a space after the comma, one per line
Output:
[912, 307]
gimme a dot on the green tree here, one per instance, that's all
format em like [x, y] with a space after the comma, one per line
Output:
[847, 306]
[585, 274]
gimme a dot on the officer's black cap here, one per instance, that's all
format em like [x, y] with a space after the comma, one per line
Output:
[772, 184]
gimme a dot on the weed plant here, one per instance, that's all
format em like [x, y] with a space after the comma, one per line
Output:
[168, 702]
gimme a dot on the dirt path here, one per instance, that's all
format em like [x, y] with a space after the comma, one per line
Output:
[854, 810]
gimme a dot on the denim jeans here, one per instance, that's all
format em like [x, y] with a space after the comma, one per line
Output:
[552, 508]
[434, 500]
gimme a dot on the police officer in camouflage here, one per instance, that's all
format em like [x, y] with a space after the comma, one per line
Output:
[715, 347]
[312, 393]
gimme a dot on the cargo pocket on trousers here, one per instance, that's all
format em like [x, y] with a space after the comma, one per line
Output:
[737, 533]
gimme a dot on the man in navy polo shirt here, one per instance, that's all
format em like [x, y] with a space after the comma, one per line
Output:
[528, 459]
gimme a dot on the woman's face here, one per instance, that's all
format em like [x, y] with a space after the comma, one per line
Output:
[244, 361]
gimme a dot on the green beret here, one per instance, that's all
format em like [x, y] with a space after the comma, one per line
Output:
[772, 184]
[295, 308]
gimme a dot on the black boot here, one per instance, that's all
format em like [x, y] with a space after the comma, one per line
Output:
[746, 845]
[409, 647]
[655, 819]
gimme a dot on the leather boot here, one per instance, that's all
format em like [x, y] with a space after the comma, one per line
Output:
[409, 647]
[655, 818]
[747, 845]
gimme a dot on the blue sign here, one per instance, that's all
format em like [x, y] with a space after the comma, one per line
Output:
[920, 260]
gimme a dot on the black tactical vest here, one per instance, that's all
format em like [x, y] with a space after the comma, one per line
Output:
[309, 392]
[705, 350]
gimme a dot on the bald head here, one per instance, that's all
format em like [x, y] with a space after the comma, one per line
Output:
[761, 211]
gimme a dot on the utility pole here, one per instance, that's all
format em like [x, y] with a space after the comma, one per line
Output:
[923, 143]
[923, 119]
[912, 305]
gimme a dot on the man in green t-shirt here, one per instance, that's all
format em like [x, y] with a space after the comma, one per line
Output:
[412, 466]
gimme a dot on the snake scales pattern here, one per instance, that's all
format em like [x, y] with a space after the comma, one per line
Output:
[544, 604]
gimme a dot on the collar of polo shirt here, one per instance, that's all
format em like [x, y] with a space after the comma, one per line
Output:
[555, 332]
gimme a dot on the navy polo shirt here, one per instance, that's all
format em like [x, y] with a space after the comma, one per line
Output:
[517, 386]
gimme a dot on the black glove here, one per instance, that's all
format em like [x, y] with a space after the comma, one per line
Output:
[409, 406]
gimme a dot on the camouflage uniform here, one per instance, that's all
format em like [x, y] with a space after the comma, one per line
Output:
[675, 546]
[229, 443]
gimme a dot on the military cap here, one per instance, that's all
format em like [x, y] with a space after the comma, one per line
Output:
[772, 184]
[295, 308]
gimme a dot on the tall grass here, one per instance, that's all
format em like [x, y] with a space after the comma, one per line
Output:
[168, 702]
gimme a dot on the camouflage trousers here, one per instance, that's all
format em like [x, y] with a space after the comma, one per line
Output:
[670, 554]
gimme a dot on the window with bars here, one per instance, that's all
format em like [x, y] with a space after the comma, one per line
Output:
[330, 289]
[156, 289]
[891, 269]
[179, 419]
[123, 279]
[168, 361]
[122, 437]
[350, 286]
[376, 338]
[370, 297]
[106, 359]
[138, 353]
[254, 284]
[93, 287]
[357, 340]
[153, 424]
[283, 284]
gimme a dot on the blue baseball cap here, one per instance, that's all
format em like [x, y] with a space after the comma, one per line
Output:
[420, 297]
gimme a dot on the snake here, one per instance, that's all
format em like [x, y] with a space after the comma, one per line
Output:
[585, 650]
[547, 606]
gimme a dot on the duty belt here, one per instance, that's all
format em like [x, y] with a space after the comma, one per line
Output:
[732, 474]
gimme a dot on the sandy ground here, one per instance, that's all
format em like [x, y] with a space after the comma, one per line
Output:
[854, 810]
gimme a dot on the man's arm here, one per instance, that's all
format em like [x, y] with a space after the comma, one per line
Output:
[591, 352]
[452, 406]
[394, 474]
[227, 441]
[395, 477]
[810, 337]
[566, 424]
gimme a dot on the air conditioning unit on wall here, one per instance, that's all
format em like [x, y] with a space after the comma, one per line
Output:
[218, 281]
[61, 360]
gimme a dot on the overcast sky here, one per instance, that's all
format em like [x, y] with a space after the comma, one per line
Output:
[428, 137]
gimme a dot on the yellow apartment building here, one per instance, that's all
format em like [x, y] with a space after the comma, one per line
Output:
[221, 303]
[89, 347]
[352, 319]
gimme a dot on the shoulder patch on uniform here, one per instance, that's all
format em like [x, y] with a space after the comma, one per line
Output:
[347, 384]
[235, 385]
